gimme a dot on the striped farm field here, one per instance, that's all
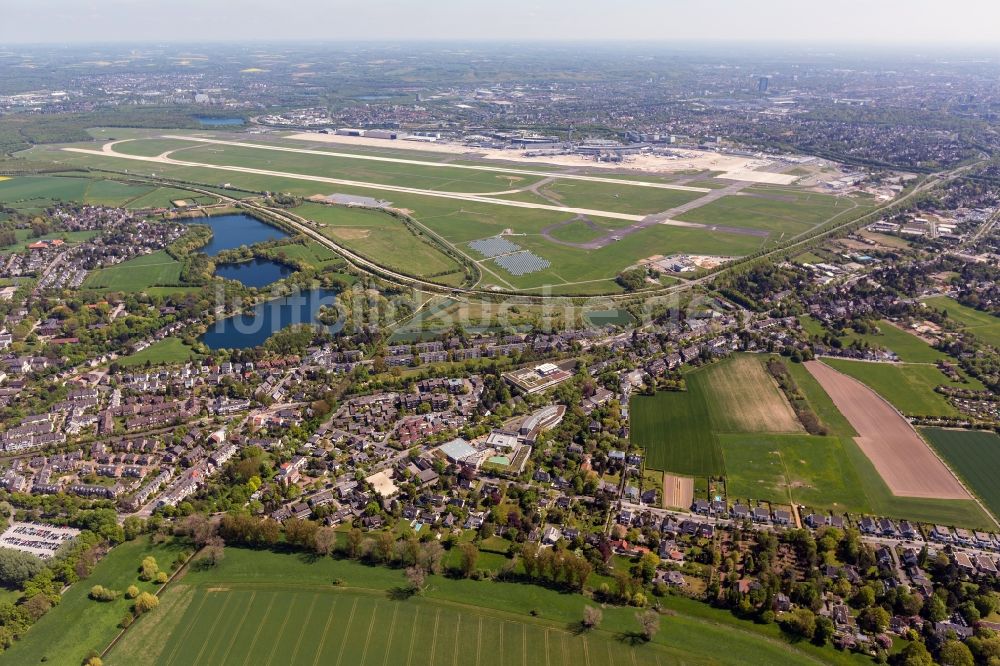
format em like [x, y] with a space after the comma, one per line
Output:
[261, 625]
[261, 607]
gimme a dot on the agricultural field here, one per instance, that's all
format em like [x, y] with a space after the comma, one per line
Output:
[909, 387]
[113, 193]
[162, 352]
[156, 269]
[675, 430]
[272, 608]
[60, 637]
[981, 324]
[680, 431]
[975, 457]
[879, 498]
[742, 397]
[37, 192]
[794, 469]
[163, 197]
[902, 458]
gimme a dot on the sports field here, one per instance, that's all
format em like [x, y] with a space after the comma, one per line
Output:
[156, 269]
[742, 397]
[975, 456]
[981, 324]
[259, 607]
[909, 387]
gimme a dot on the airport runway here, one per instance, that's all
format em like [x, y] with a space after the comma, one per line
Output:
[472, 167]
[459, 196]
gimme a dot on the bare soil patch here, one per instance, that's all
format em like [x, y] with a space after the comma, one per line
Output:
[678, 491]
[350, 233]
[903, 460]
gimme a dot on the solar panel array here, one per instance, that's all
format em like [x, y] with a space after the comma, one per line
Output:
[494, 247]
[522, 263]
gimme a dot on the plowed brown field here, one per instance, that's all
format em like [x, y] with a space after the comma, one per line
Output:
[904, 461]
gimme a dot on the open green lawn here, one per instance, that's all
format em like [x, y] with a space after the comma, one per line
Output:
[67, 633]
[267, 608]
[382, 238]
[442, 178]
[981, 324]
[162, 352]
[794, 469]
[909, 387]
[156, 269]
[783, 213]
[879, 498]
[675, 430]
[975, 456]
[114, 193]
[620, 198]
[907, 346]
[314, 254]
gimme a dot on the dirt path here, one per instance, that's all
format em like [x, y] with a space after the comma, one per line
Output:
[904, 461]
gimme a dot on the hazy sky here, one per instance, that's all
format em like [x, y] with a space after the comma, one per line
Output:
[879, 21]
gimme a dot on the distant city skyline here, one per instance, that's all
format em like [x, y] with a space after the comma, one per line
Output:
[882, 22]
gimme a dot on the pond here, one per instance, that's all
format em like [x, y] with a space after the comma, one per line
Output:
[232, 231]
[267, 318]
[254, 273]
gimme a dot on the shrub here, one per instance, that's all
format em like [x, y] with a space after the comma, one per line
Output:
[101, 593]
[145, 602]
[148, 569]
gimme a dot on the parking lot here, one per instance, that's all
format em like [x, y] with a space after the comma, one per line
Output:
[37, 539]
